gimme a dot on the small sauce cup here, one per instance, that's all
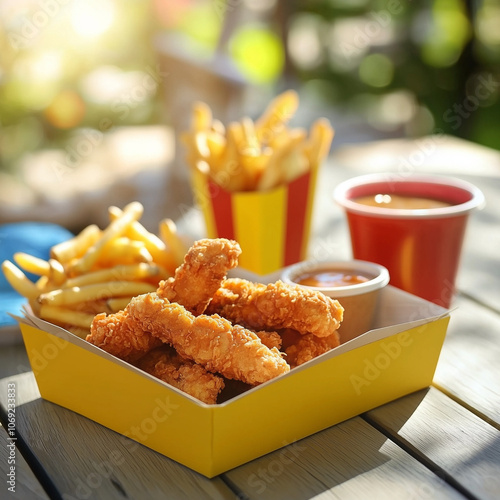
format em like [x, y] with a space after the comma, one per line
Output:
[358, 298]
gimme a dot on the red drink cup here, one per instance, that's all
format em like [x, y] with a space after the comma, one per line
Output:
[421, 248]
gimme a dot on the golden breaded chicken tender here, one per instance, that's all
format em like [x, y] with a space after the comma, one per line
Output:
[277, 306]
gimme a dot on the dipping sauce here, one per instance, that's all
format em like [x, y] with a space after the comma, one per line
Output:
[400, 202]
[329, 279]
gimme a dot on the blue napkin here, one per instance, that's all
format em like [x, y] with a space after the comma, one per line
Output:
[34, 238]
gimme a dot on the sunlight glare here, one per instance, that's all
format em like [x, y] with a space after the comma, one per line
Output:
[47, 66]
[91, 18]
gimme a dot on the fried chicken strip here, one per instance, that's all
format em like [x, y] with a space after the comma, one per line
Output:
[211, 341]
[302, 348]
[277, 306]
[193, 285]
[119, 335]
[165, 364]
[270, 339]
[204, 268]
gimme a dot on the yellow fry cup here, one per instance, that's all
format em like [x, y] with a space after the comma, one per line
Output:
[271, 226]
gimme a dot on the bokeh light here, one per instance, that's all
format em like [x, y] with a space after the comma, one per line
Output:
[304, 41]
[202, 24]
[376, 70]
[398, 67]
[91, 18]
[488, 23]
[258, 53]
[66, 110]
[447, 31]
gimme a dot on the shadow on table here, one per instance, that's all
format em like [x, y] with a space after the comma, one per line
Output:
[313, 465]
[329, 460]
[74, 457]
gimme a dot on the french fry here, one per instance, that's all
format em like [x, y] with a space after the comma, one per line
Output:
[215, 144]
[250, 144]
[168, 233]
[202, 116]
[255, 166]
[320, 139]
[201, 147]
[19, 281]
[195, 139]
[118, 303]
[57, 273]
[205, 145]
[218, 127]
[274, 172]
[161, 254]
[134, 272]
[294, 164]
[132, 212]
[61, 316]
[32, 264]
[77, 246]
[78, 331]
[203, 167]
[96, 291]
[256, 155]
[230, 173]
[278, 113]
[253, 156]
[43, 284]
[123, 251]
[97, 270]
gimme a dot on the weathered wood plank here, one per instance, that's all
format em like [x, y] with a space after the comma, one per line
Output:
[479, 272]
[13, 359]
[351, 460]
[85, 460]
[22, 483]
[469, 367]
[444, 434]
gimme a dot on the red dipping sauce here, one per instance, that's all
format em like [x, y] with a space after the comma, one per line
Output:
[328, 279]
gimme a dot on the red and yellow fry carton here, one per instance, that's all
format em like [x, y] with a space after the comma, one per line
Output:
[255, 181]
[272, 226]
[396, 357]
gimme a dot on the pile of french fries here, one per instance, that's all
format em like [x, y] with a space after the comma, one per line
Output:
[99, 270]
[260, 155]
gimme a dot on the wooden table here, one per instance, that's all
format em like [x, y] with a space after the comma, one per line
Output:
[441, 442]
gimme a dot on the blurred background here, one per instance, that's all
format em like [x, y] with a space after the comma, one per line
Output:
[94, 93]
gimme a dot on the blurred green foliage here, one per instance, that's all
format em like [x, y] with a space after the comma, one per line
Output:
[407, 68]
